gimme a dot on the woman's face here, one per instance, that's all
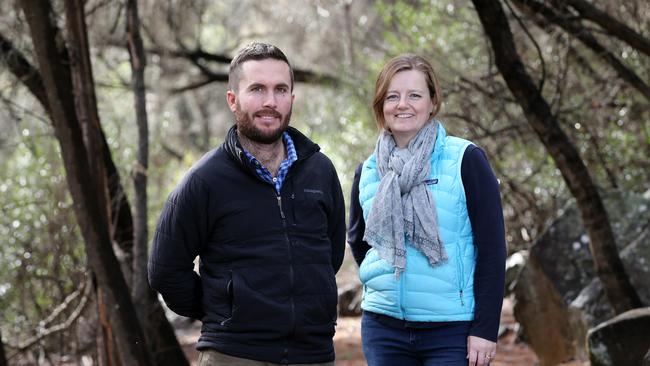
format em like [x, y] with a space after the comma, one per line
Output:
[407, 105]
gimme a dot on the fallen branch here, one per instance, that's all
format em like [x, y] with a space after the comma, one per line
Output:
[43, 332]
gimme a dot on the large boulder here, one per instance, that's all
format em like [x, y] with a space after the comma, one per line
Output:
[558, 294]
[623, 340]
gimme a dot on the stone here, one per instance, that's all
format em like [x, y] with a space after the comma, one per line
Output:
[622, 340]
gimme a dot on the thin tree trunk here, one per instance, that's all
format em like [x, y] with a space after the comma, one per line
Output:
[602, 244]
[138, 63]
[160, 336]
[90, 203]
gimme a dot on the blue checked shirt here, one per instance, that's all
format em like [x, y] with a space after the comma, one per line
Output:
[264, 173]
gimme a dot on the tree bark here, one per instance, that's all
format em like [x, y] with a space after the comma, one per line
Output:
[74, 133]
[160, 336]
[602, 244]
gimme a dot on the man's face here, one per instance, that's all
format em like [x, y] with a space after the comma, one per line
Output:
[262, 104]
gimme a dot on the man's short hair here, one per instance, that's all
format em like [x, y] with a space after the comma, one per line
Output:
[254, 51]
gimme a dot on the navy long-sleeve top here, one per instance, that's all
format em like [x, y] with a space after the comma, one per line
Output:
[486, 217]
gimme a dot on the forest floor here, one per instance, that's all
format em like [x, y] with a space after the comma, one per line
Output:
[347, 342]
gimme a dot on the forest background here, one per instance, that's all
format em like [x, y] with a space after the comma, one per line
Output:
[104, 105]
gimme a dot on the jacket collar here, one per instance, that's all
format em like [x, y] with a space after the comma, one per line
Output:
[304, 146]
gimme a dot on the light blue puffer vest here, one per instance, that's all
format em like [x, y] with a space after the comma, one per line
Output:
[422, 292]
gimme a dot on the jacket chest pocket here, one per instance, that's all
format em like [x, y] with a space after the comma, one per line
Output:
[310, 209]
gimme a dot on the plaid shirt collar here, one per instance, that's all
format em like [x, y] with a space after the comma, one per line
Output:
[264, 173]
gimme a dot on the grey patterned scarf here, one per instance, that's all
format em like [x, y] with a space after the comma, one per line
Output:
[403, 206]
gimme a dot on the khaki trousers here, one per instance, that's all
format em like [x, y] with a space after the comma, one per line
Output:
[214, 358]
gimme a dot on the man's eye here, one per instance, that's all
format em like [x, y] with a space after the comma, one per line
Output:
[283, 90]
[256, 89]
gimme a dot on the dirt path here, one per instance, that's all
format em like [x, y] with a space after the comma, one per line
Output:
[347, 342]
[510, 353]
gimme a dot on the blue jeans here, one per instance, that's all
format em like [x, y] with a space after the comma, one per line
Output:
[384, 345]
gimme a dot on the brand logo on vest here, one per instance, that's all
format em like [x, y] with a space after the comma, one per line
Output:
[431, 181]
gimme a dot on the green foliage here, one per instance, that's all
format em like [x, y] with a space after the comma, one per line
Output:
[41, 256]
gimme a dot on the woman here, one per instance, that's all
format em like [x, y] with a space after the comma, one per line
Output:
[426, 229]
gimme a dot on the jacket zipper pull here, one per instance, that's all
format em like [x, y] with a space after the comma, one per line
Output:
[462, 302]
[280, 206]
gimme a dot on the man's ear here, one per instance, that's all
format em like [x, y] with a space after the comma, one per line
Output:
[231, 98]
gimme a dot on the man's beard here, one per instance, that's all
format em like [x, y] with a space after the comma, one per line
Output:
[246, 127]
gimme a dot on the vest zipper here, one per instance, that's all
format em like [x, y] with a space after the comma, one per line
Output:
[461, 275]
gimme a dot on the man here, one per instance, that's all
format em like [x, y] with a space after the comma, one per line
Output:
[265, 214]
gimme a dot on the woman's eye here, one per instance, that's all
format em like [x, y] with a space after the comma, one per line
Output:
[415, 96]
[391, 97]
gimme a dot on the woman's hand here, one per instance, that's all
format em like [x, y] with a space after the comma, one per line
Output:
[480, 351]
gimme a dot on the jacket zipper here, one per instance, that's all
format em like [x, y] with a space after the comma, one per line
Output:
[291, 279]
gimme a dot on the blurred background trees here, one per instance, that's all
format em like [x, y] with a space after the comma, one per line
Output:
[588, 61]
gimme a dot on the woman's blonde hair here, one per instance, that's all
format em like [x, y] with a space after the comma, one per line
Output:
[403, 63]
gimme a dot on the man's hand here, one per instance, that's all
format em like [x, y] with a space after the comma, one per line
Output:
[480, 351]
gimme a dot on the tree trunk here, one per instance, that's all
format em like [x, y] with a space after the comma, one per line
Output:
[78, 136]
[138, 63]
[160, 336]
[609, 267]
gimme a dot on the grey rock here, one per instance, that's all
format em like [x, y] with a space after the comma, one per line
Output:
[622, 340]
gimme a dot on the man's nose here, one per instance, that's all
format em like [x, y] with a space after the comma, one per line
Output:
[270, 100]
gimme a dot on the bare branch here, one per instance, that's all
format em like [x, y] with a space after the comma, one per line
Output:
[23, 70]
[582, 34]
[199, 58]
[43, 332]
[611, 25]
